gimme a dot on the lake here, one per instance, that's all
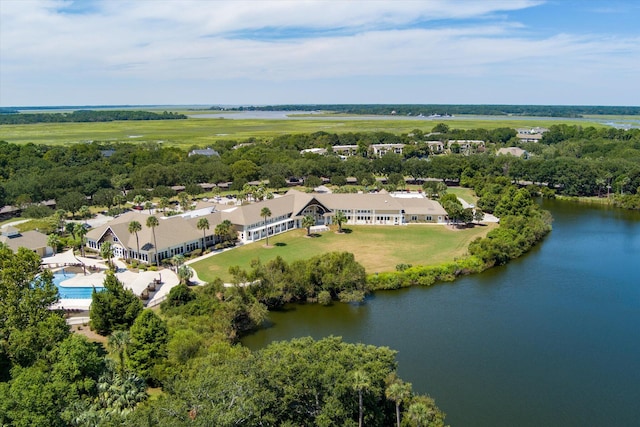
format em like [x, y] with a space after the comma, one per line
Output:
[552, 339]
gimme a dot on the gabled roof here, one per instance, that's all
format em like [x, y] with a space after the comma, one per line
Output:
[170, 231]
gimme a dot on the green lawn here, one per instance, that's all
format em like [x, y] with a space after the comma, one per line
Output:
[377, 248]
[466, 194]
[201, 132]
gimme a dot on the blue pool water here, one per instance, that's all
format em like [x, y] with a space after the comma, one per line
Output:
[71, 292]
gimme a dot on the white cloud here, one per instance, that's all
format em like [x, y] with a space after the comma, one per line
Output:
[116, 42]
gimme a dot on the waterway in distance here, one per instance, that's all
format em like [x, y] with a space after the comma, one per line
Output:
[552, 339]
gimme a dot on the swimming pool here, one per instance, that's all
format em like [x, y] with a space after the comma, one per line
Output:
[74, 292]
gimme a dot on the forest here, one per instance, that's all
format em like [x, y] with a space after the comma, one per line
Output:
[570, 161]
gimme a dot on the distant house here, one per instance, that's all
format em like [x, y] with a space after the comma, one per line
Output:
[513, 151]
[32, 240]
[466, 145]
[382, 149]
[436, 147]
[530, 134]
[209, 152]
[314, 151]
[345, 150]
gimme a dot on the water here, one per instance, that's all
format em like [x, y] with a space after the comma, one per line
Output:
[552, 339]
[71, 292]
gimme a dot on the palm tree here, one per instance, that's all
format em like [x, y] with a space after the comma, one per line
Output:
[81, 231]
[134, 227]
[148, 205]
[184, 274]
[152, 223]
[419, 414]
[398, 392]
[307, 222]
[54, 241]
[361, 383]
[118, 343]
[177, 260]
[203, 224]
[106, 251]
[266, 213]
[184, 201]
[224, 230]
[139, 200]
[340, 217]
[163, 203]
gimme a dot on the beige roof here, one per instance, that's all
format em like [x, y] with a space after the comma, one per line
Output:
[514, 151]
[29, 239]
[250, 214]
[421, 206]
[171, 231]
[359, 201]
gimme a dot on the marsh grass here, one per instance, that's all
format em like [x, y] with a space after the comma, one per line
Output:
[203, 131]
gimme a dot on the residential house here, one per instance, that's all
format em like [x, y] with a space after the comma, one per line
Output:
[209, 152]
[382, 149]
[32, 240]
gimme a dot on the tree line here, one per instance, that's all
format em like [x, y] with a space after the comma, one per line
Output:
[14, 118]
[442, 109]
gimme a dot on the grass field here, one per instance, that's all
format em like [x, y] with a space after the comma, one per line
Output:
[200, 132]
[377, 248]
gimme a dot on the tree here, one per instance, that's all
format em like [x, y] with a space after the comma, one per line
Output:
[118, 343]
[164, 203]
[398, 392]
[419, 413]
[28, 328]
[478, 215]
[224, 231]
[307, 222]
[53, 240]
[114, 308]
[185, 273]
[361, 383]
[152, 223]
[184, 201]
[72, 202]
[149, 337]
[84, 211]
[139, 199]
[81, 231]
[203, 224]
[266, 213]
[148, 206]
[106, 252]
[340, 218]
[134, 227]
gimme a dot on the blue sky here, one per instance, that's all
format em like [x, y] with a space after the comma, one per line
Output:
[92, 52]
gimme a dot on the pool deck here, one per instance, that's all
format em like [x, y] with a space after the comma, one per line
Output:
[137, 282]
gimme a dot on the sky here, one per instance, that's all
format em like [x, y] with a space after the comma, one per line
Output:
[169, 52]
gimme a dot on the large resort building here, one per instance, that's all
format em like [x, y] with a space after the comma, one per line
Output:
[180, 234]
